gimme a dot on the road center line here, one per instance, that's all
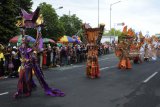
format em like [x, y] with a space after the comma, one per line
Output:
[107, 67]
[104, 68]
[146, 80]
[4, 93]
[102, 59]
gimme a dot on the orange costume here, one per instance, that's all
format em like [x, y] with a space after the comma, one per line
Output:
[124, 62]
[93, 36]
[123, 49]
[135, 52]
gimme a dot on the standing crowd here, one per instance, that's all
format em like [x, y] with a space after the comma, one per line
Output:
[51, 56]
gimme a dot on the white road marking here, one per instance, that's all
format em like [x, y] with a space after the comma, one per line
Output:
[71, 67]
[103, 59]
[104, 68]
[4, 93]
[67, 68]
[79, 66]
[146, 80]
[107, 67]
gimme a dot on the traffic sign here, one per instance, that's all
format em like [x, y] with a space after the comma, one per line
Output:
[120, 24]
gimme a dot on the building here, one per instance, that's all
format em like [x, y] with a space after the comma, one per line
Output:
[110, 39]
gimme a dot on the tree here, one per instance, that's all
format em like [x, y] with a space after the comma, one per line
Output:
[53, 27]
[72, 24]
[24, 4]
[113, 32]
[8, 27]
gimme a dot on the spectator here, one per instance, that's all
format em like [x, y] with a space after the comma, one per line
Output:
[68, 55]
[16, 61]
[57, 56]
[10, 64]
[63, 56]
[2, 59]
[7, 56]
[54, 55]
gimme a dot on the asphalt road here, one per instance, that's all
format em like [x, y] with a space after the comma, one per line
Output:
[138, 87]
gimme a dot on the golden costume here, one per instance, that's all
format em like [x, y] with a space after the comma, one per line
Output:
[92, 35]
[124, 62]
[123, 49]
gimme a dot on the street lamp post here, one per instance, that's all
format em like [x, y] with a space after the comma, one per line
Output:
[111, 10]
[98, 13]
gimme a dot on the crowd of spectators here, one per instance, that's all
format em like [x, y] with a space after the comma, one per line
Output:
[51, 56]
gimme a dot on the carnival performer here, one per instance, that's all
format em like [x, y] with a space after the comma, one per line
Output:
[124, 62]
[93, 37]
[154, 46]
[142, 46]
[29, 62]
[24, 86]
[158, 49]
[146, 53]
[135, 50]
[123, 49]
[148, 49]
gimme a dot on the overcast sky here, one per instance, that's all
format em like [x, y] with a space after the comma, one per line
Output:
[141, 15]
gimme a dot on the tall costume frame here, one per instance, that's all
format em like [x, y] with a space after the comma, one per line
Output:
[93, 37]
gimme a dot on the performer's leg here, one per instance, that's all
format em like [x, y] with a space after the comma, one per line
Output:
[20, 84]
[129, 66]
[123, 64]
[24, 83]
[119, 64]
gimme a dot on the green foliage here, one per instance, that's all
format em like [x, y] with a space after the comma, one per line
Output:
[8, 28]
[113, 32]
[24, 4]
[72, 24]
[53, 27]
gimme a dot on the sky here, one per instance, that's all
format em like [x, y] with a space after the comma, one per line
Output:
[140, 15]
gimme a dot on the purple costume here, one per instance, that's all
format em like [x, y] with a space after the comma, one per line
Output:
[28, 63]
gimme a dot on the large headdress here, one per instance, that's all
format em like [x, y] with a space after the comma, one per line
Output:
[128, 33]
[30, 20]
[141, 35]
[124, 30]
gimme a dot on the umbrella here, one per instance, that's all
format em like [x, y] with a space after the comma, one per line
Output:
[66, 39]
[77, 39]
[59, 44]
[47, 40]
[18, 39]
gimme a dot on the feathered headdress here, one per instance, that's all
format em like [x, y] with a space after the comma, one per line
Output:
[130, 32]
[124, 30]
[141, 35]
